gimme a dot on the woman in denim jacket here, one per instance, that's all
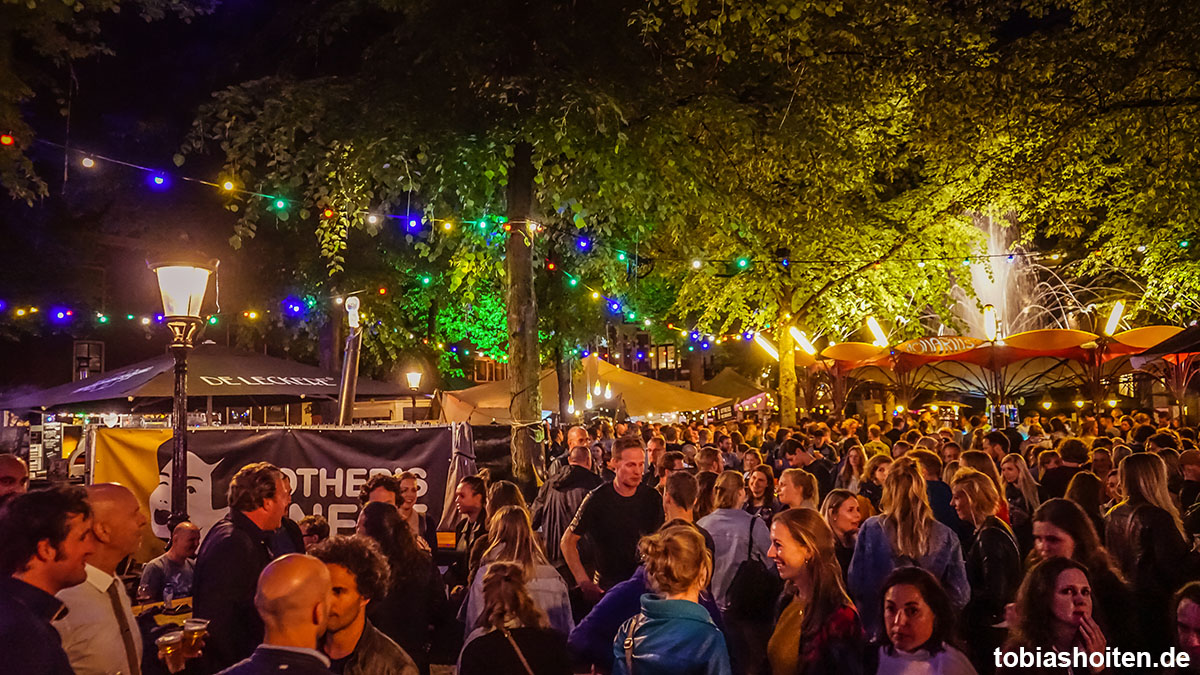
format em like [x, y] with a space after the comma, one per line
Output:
[673, 634]
[904, 533]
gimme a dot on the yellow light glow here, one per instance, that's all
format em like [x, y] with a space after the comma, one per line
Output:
[20, 312]
[877, 331]
[88, 162]
[766, 346]
[803, 341]
[1114, 317]
[1046, 404]
[1079, 403]
[595, 295]
[228, 185]
[991, 326]
[1112, 402]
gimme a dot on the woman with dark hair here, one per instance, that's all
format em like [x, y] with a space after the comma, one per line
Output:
[415, 602]
[511, 634]
[817, 630]
[1054, 614]
[1148, 542]
[1086, 490]
[842, 513]
[1062, 529]
[760, 488]
[706, 481]
[918, 622]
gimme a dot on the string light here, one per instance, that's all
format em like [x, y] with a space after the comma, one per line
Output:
[7, 139]
[88, 162]
[228, 186]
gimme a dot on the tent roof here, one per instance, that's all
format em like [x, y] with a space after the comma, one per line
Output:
[233, 377]
[640, 395]
[731, 384]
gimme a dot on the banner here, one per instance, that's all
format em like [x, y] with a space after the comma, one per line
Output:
[326, 467]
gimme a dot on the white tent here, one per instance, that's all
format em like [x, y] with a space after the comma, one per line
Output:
[639, 396]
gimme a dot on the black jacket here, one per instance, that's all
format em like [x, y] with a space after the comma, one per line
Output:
[28, 643]
[1153, 556]
[994, 570]
[268, 660]
[376, 654]
[232, 556]
[557, 503]
[412, 611]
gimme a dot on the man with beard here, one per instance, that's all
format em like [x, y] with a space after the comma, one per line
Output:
[359, 574]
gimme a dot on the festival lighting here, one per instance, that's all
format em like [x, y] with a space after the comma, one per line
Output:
[991, 325]
[743, 263]
[802, 340]
[697, 264]
[877, 331]
[7, 139]
[1114, 317]
[766, 346]
[88, 162]
[227, 185]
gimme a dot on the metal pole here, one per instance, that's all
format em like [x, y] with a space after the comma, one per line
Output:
[346, 392]
[179, 468]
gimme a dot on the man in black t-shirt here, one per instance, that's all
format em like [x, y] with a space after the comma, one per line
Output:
[614, 516]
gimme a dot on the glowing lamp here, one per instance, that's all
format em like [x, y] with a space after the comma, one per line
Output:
[1114, 317]
[227, 185]
[990, 324]
[182, 286]
[802, 340]
[1046, 404]
[7, 139]
[766, 346]
[88, 162]
[877, 331]
[1079, 403]
[697, 264]
[414, 379]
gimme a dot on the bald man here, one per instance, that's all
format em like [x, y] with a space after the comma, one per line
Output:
[14, 476]
[99, 632]
[293, 598]
[172, 569]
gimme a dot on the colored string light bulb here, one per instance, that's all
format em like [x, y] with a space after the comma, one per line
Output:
[7, 139]
[227, 186]
[88, 162]
[743, 263]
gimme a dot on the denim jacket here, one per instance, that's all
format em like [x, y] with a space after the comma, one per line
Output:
[547, 588]
[672, 637]
[875, 558]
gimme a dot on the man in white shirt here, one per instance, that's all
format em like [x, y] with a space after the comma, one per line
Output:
[99, 632]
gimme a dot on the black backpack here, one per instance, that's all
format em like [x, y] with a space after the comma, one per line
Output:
[754, 588]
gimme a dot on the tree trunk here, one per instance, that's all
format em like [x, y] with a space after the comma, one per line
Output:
[524, 364]
[696, 370]
[787, 375]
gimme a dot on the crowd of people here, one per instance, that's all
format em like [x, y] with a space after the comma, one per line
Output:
[910, 546]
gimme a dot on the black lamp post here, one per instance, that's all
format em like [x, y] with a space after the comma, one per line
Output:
[183, 285]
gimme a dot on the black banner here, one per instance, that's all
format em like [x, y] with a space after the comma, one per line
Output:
[327, 467]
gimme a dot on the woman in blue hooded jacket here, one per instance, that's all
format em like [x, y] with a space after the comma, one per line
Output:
[672, 634]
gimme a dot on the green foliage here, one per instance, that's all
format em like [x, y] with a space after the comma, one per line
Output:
[38, 37]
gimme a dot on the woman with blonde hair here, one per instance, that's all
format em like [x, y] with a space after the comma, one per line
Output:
[736, 534]
[672, 633]
[817, 630]
[992, 560]
[904, 533]
[513, 541]
[511, 634]
[983, 463]
[797, 489]
[1147, 539]
[1021, 494]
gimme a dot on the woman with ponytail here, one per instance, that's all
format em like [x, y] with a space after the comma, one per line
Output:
[904, 533]
[673, 634]
[512, 635]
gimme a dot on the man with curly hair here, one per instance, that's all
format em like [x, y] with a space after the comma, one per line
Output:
[360, 575]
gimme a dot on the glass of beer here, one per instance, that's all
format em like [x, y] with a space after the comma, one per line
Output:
[194, 631]
[170, 651]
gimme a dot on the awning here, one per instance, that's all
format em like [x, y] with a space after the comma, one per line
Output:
[731, 384]
[229, 376]
[639, 396]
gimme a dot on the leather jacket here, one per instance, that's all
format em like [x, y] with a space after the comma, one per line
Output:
[376, 654]
[1146, 546]
[994, 571]
[671, 637]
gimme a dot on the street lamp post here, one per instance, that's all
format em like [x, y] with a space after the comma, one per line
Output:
[414, 383]
[183, 285]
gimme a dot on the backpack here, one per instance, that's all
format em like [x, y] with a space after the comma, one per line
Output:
[754, 588]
